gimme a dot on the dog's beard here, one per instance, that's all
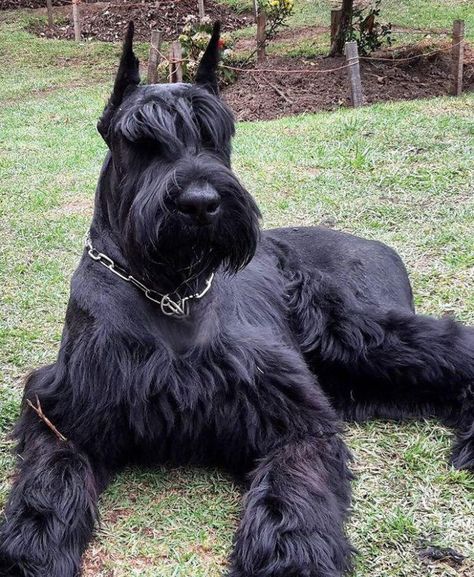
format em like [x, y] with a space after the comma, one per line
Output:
[167, 251]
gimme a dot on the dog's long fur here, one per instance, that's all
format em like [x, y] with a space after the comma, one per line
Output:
[300, 326]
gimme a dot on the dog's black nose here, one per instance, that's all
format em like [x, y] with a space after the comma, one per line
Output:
[200, 203]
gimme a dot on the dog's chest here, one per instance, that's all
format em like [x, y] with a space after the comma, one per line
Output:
[229, 398]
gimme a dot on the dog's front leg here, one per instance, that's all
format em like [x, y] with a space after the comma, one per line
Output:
[293, 523]
[50, 514]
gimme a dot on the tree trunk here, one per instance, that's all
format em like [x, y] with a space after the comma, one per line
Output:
[337, 47]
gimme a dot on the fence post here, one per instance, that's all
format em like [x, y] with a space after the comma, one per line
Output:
[261, 25]
[352, 59]
[176, 68]
[335, 19]
[202, 12]
[457, 56]
[154, 57]
[76, 18]
[49, 9]
[255, 9]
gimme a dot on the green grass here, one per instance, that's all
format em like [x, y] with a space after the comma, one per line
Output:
[400, 172]
[418, 14]
[411, 13]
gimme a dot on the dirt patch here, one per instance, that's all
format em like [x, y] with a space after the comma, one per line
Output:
[106, 21]
[76, 206]
[17, 4]
[283, 86]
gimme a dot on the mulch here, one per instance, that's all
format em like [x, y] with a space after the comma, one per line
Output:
[106, 21]
[271, 93]
[17, 4]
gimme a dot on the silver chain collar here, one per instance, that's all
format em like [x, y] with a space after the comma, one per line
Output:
[178, 307]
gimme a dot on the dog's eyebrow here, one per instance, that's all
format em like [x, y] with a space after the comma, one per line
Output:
[188, 121]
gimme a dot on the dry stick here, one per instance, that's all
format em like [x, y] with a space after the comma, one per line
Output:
[39, 411]
[457, 55]
[76, 17]
[352, 57]
[335, 19]
[202, 12]
[49, 9]
[154, 57]
[261, 25]
[277, 90]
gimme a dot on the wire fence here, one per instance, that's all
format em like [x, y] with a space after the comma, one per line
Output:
[352, 64]
[394, 59]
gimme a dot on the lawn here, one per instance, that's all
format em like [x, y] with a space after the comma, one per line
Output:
[411, 13]
[400, 172]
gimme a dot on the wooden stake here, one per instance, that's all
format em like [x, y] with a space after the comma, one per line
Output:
[178, 55]
[202, 11]
[457, 55]
[335, 20]
[76, 18]
[255, 9]
[49, 9]
[154, 57]
[176, 68]
[261, 38]
[352, 58]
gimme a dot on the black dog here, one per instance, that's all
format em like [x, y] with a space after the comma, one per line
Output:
[190, 338]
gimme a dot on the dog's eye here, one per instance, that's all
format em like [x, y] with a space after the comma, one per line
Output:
[148, 146]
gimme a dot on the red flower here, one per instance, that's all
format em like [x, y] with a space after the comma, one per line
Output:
[221, 44]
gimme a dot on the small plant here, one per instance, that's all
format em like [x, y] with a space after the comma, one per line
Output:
[366, 31]
[277, 12]
[194, 38]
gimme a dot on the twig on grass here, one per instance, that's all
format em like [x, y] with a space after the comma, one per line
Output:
[39, 411]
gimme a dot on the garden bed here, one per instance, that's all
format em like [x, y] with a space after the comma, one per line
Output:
[106, 21]
[20, 4]
[283, 86]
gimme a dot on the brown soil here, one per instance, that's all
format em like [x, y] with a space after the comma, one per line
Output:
[273, 91]
[106, 21]
[16, 4]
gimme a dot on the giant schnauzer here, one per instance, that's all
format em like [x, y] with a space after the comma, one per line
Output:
[191, 337]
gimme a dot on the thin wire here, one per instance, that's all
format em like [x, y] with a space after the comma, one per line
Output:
[423, 55]
[394, 60]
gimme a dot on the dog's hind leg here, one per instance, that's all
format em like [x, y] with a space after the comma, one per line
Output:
[387, 364]
[293, 522]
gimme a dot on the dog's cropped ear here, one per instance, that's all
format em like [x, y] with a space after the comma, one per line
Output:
[127, 75]
[206, 74]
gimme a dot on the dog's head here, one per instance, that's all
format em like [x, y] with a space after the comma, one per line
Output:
[169, 190]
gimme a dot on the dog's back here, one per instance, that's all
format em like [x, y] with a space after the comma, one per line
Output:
[370, 266]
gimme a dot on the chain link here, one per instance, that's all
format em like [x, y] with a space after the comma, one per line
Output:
[169, 306]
